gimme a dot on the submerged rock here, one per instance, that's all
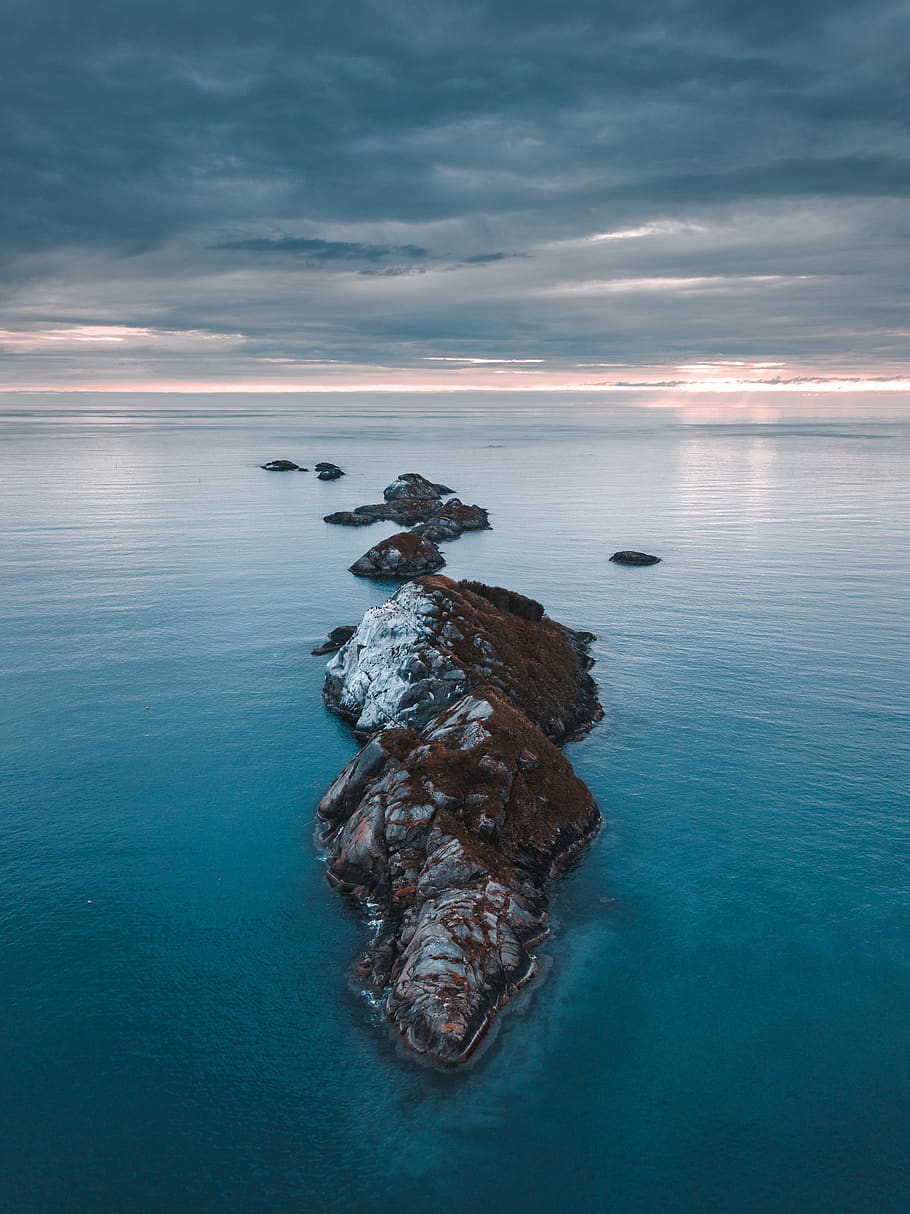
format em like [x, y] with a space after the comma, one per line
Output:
[413, 485]
[400, 556]
[282, 465]
[634, 558]
[337, 637]
[328, 472]
[451, 835]
[437, 639]
[451, 520]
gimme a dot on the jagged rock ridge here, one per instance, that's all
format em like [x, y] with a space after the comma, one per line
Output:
[451, 836]
[437, 639]
[451, 819]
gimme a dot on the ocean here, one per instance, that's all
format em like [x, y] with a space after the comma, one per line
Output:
[722, 1020]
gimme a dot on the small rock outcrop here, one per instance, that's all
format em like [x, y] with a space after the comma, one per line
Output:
[634, 558]
[413, 485]
[328, 472]
[451, 520]
[436, 640]
[400, 556]
[406, 512]
[336, 638]
[282, 465]
[350, 518]
[450, 836]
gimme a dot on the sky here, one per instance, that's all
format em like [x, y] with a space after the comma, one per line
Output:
[694, 195]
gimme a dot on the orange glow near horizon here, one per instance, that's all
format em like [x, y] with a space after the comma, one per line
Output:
[124, 359]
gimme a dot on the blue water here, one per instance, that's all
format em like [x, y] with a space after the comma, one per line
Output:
[724, 1024]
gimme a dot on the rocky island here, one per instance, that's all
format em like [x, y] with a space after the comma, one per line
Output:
[404, 555]
[460, 807]
[414, 501]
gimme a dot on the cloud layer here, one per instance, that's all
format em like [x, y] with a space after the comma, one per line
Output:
[242, 192]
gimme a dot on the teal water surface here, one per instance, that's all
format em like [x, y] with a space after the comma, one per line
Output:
[723, 1020]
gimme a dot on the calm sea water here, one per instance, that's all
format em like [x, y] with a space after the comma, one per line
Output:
[724, 1024]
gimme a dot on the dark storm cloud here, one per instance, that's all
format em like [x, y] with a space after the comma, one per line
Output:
[357, 254]
[184, 165]
[323, 250]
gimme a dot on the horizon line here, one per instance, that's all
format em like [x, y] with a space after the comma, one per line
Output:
[797, 386]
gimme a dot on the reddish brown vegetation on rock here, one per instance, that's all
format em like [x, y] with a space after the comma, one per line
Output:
[536, 663]
[453, 833]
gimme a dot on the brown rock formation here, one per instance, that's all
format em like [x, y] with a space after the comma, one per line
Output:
[452, 834]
